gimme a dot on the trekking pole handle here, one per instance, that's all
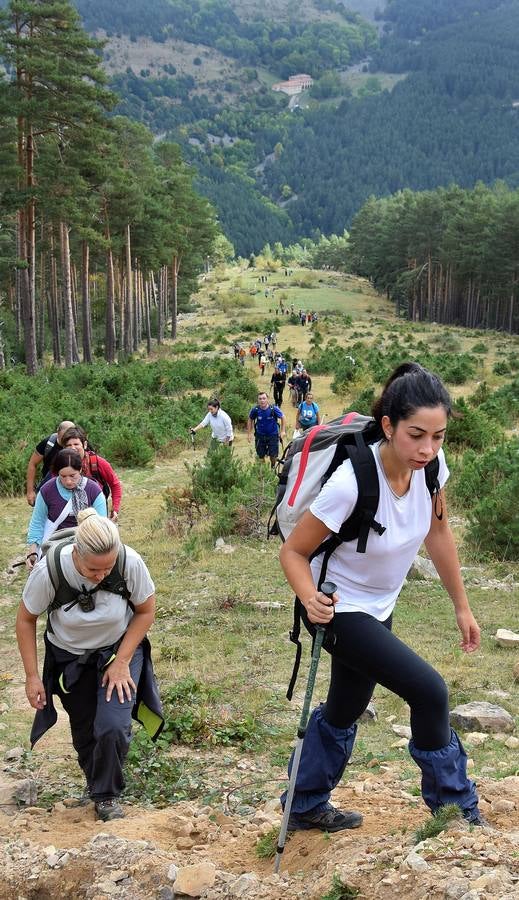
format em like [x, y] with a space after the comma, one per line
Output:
[328, 588]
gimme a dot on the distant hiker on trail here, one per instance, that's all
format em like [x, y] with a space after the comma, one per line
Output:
[307, 413]
[292, 386]
[264, 419]
[303, 317]
[95, 467]
[100, 602]
[262, 362]
[241, 356]
[220, 422]
[278, 385]
[60, 500]
[303, 385]
[412, 416]
[44, 452]
[282, 365]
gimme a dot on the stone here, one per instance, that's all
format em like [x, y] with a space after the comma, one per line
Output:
[476, 738]
[415, 862]
[399, 745]
[165, 893]
[369, 714]
[423, 568]
[456, 889]
[18, 790]
[507, 638]
[402, 731]
[481, 716]
[172, 872]
[194, 880]
[512, 743]
[502, 805]
[269, 604]
[221, 547]
[245, 886]
[108, 887]
[14, 753]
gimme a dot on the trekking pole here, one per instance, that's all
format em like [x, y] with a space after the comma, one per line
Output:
[328, 588]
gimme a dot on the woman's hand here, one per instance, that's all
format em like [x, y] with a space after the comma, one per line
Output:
[117, 675]
[320, 608]
[35, 692]
[32, 558]
[469, 631]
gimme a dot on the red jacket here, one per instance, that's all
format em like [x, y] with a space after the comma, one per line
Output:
[104, 473]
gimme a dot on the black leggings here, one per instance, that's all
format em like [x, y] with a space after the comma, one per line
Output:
[367, 653]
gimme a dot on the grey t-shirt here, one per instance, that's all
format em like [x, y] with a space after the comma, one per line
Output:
[75, 630]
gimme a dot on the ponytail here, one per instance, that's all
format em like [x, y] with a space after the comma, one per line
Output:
[407, 389]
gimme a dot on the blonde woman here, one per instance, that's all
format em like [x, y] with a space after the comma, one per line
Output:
[100, 608]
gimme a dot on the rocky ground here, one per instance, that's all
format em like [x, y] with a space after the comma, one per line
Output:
[196, 851]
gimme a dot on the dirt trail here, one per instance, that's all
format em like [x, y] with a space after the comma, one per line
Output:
[66, 853]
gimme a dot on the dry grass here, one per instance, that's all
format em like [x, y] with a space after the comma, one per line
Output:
[209, 625]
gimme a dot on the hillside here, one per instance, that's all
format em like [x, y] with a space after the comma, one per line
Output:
[421, 98]
[207, 794]
[432, 111]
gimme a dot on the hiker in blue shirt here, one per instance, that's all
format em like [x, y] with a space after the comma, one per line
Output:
[307, 413]
[264, 419]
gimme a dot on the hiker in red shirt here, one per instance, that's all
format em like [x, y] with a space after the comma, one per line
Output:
[95, 467]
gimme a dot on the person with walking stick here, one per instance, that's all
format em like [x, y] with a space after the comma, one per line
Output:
[412, 416]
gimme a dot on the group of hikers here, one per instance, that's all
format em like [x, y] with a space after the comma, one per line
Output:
[99, 599]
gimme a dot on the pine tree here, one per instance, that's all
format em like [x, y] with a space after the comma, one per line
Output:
[55, 92]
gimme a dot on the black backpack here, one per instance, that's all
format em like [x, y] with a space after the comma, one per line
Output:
[67, 596]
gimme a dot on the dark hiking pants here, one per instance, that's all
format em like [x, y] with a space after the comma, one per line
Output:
[101, 731]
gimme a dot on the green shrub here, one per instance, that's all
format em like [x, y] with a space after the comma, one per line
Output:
[237, 495]
[485, 485]
[128, 448]
[501, 368]
[494, 521]
[363, 402]
[470, 427]
[480, 347]
[13, 466]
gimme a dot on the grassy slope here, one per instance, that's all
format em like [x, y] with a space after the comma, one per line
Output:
[209, 628]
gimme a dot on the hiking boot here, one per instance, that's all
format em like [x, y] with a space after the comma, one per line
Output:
[474, 817]
[108, 809]
[328, 818]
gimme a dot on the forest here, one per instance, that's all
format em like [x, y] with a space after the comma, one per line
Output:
[449, 256]
[283, 47]
[102, 235]
[288, 174]
[451, 120]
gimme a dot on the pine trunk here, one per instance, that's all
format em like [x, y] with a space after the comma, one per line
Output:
[66, 287]
[54, 313]
[86, 312]
[147, 318]
[110, 306]
[175, 266]
[128, 295]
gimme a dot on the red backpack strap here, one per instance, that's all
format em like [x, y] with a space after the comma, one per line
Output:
[303, 462]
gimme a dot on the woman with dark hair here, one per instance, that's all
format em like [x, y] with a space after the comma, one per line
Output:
[412, 416]
[59, 501]
[95, 467]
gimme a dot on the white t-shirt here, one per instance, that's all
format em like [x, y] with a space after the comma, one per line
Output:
[75, 630]
[221, 425]
[370, 582]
